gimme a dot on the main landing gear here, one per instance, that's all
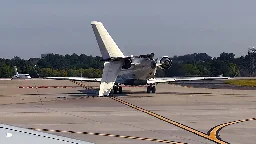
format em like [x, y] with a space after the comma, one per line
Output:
[151, 88]
[117, 89]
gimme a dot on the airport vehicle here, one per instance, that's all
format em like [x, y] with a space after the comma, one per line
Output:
[127, 70]
[20, 76]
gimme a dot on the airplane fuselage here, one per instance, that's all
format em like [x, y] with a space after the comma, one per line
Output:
[140, 71]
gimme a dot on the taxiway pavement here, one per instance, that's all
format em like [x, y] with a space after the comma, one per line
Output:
[65, 109]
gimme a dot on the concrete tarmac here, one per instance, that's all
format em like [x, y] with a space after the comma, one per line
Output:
[65, 109]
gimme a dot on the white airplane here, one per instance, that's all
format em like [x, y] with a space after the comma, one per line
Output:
[120, 69]
[127, 70]
[20, 76]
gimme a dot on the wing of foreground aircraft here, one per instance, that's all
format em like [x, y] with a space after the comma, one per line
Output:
[17, 135]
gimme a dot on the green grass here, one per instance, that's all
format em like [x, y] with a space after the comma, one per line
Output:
[245, 82]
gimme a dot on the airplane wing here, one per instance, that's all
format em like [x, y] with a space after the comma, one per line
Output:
[216, 78]
[160, 80]
[110, 72]
[175, 79]
[200, 78]
[76, 79]
[189, 78]
[17, 135]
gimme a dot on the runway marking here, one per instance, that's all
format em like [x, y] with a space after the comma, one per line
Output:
[214, 132]
[82, 85]
[109, 135]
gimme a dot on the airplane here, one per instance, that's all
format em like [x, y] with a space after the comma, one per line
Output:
[20, 76]
[127, 70]
[120, 69]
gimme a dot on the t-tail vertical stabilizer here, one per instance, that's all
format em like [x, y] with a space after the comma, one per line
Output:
[107, 45]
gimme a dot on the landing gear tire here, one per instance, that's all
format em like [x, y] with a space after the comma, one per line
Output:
[115, 89]
[148, 89]
[120, 89]
[151, 89]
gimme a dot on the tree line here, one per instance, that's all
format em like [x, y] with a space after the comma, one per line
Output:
[196, 64]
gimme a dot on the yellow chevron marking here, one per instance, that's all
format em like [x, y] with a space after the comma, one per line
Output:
[214, 132]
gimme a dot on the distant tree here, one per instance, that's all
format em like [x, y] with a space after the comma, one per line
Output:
[190, 70]
[6, 71]
[196, 64]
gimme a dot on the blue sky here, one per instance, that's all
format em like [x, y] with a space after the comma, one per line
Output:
[29, 28]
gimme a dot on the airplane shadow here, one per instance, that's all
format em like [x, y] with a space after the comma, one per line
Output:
[34, 94]
[126, 93]
[91, 92]
[184, 93]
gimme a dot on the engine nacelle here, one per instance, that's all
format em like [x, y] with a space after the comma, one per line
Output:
[165, 62]
[127, 63]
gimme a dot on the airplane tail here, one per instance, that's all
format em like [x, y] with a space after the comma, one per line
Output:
[16, 70]
[107, 45]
